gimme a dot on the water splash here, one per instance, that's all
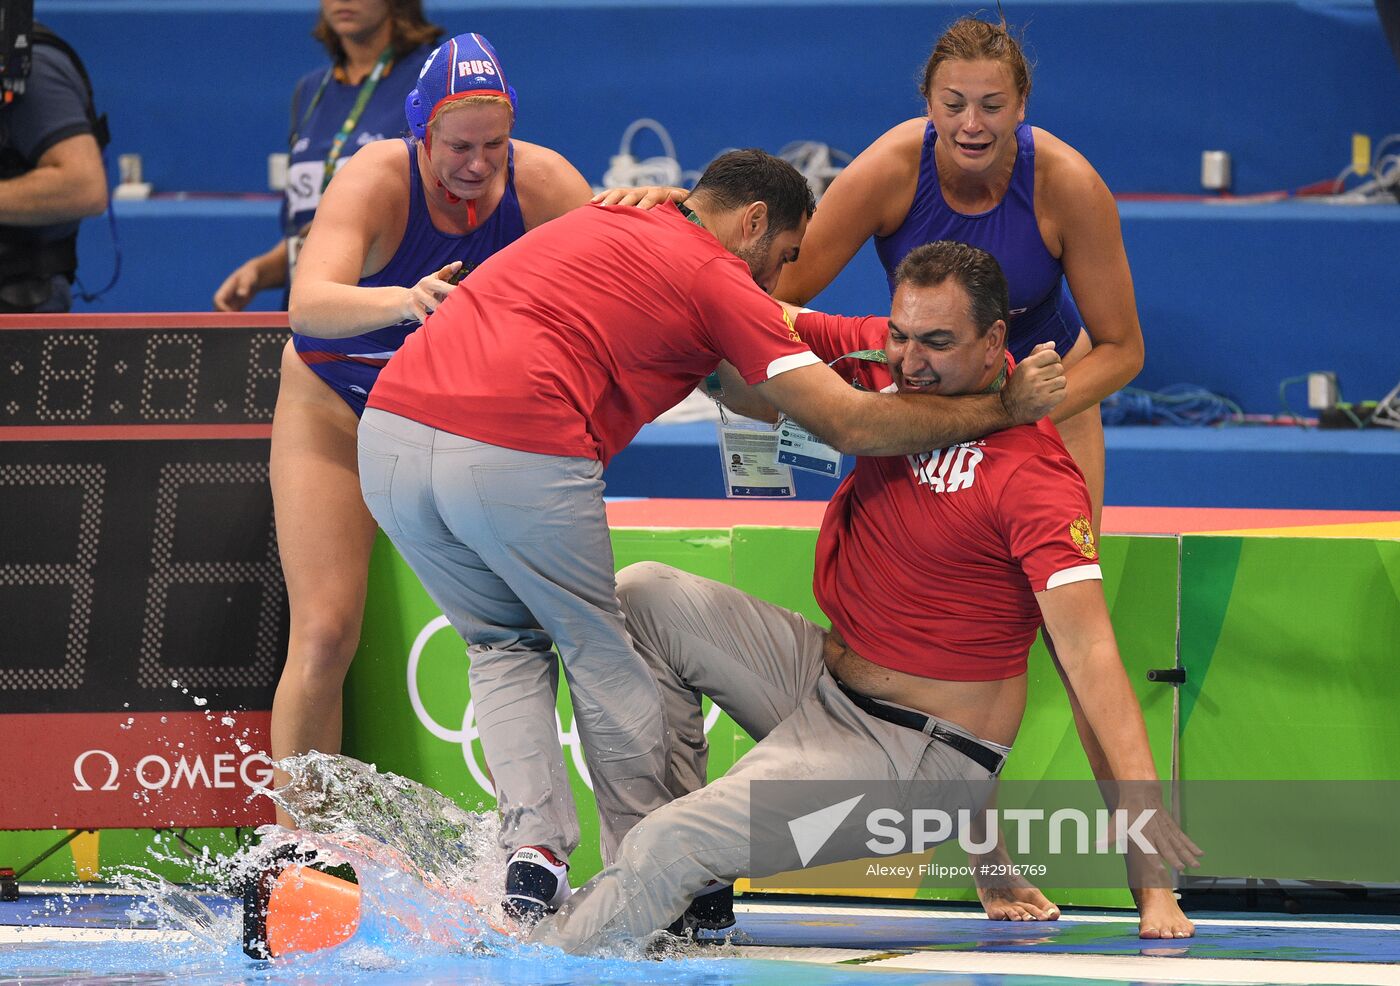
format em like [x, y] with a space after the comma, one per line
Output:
[352, 802]
[430, 876]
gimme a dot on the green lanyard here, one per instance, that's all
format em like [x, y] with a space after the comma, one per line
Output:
[367, 88]
[691, 216]
[999, 382]
[866, 356]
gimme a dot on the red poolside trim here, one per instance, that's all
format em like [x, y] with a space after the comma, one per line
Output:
[709, 514]
[147, 320]
[117, 433]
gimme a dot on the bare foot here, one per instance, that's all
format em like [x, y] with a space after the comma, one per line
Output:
[1017, 904]
[1160, 915]
[1010, 896]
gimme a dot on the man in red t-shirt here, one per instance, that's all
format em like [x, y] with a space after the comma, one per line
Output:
[485, 438]
[936, 570]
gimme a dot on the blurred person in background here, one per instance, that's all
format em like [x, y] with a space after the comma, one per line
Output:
[376, 48]
[51, 171]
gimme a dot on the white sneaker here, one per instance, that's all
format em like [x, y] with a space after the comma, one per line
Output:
[537, 882]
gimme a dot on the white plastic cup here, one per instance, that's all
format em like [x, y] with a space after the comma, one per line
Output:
[277, 165]
[1215, 170]
[129, 169]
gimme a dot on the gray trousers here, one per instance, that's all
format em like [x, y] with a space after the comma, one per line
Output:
[514, 548]
[763, 665]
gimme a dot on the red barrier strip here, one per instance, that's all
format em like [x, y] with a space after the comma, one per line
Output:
[114, 433]
[147, 320]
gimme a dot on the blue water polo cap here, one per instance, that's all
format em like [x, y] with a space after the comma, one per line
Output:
[464, 66]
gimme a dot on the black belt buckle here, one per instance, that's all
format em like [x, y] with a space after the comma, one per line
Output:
[983, 756]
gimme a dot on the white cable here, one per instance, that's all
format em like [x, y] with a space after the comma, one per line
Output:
[625, 171]
[1385, 141]
[1387, 171]
[636, 126]
[1339, 184]
[1382, 185]
[814, 160]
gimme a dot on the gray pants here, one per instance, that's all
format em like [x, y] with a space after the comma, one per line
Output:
[514, 548]
[763, 665]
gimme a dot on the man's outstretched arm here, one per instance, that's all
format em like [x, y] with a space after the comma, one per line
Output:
[1111, 729]
[862, 423]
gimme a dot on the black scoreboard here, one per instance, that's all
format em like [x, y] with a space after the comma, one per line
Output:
[138, 553]
[171, 374]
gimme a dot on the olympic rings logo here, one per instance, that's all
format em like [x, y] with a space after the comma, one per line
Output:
[468, 736]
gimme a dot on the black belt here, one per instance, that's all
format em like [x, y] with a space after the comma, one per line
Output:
[983, 756]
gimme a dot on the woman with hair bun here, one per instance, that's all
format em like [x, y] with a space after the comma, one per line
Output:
[974, 171]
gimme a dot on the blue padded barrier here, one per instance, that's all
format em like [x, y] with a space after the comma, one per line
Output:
[1233, 298]
[175, 254]
[1283, 468]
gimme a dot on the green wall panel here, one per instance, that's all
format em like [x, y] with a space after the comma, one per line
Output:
[1292, 648]
[775, 564]
[146, 849]
[704, 553]
[421, 730]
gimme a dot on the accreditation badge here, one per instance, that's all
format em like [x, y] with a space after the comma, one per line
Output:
[799, 448]
[749, 462]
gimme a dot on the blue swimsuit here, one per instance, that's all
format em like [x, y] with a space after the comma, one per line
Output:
[350, 366]
[1041, 307]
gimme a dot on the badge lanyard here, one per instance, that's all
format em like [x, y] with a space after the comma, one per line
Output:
[295, 238]
[367, 88]
[748, 451]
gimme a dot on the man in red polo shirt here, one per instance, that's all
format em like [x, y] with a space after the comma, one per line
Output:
[485, 438]
[936, 570]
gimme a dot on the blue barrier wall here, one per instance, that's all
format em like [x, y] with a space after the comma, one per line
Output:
[1280, 468]
[200, 88]
[1233, 298]
[174, 254]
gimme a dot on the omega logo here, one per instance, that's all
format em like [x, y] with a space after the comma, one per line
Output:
[155, 772]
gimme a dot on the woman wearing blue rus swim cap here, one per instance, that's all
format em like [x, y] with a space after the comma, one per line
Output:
[973, 171]
[398, 225]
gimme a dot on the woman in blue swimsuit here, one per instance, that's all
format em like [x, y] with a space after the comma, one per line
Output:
[395, 230]
[973, 171]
